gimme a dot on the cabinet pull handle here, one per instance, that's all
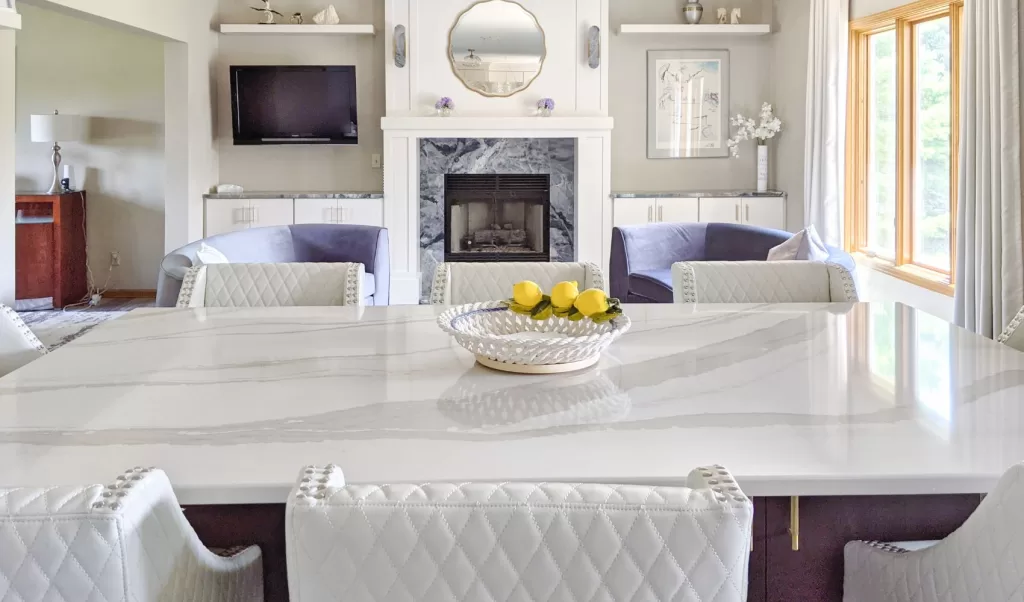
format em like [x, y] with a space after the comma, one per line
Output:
[255, 215]
[650, 213]
[661, 213]
[748, 212]
[737, 212]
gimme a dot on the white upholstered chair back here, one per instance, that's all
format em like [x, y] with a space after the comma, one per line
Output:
[18, 346]
[272, 285]
[126, 541]
[762, 282]
[457, 283]
[543, 542]
[981, 561]
[1013, 335]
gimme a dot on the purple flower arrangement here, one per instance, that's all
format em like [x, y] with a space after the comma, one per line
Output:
[546, 104]
[445, 104]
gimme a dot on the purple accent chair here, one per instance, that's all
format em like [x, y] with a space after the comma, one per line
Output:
[302, 243]
[640, 270]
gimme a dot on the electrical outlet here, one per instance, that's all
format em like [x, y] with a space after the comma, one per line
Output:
[115, 259]
[375, 160]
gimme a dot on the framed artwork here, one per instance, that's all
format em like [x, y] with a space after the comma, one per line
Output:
[8, 4]
[687, 103]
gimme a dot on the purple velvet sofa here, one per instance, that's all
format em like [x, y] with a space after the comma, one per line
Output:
[640, 270]
[312, 243]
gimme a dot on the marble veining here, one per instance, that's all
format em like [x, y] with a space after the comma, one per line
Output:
[826, 399]
[440, 156]
[687, 194]
[296, 195]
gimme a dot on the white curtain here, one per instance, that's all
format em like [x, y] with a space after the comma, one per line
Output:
[989, 273]
[825, 151]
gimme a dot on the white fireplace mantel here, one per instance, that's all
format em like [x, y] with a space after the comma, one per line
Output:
[581, 114]
[497, 126]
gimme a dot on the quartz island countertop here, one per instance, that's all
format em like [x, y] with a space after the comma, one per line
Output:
[831, 399]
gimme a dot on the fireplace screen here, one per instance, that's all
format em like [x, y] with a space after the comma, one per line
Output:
[497, 217]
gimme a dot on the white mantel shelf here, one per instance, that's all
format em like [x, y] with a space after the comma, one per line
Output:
[470, 123]
[9, 20]
[754, 29]
[315, 30]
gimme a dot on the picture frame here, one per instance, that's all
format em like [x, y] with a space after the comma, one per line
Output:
[9, 5]
[687, 104]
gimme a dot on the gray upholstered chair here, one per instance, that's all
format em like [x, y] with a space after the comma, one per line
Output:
[1013, 334]
[762, 282]
[303, 243]
[18, 345]
[640, 270]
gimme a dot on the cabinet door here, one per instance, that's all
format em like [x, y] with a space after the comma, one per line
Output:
[631, 212]
[725, 210]
[271, 212]
[678, 210]
[364, 212]
[765, 212]
[225, 215]
[316, 211]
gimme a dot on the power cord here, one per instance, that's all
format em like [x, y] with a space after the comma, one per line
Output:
[93, 295]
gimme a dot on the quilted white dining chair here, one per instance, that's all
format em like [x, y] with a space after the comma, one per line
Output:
[762, 282]
[18, 345]
[1013, 334]
[272, 285]
[490, 542]
[127, 541]
[457, 283]
[981, 561]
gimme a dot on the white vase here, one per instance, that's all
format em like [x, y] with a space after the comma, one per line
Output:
[762, 167]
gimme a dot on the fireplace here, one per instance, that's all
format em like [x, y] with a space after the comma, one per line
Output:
[497, 217]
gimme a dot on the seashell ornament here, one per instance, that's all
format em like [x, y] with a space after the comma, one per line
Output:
[328, 16]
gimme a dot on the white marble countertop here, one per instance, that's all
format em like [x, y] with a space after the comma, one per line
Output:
[796, 400]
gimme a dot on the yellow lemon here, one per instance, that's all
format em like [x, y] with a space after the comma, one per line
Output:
[527, 293]
[564, 294]
[592, 301]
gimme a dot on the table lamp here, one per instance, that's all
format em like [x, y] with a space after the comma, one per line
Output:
[54, 128]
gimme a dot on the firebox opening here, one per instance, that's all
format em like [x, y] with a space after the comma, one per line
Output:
[497, 217]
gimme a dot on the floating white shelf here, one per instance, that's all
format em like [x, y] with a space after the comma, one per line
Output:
[756, 29]
[9, 19]
[309, 30]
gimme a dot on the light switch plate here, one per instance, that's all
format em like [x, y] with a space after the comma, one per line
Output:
[375, 160]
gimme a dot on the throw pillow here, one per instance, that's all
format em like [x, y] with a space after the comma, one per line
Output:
[805, 245]
[207, 255]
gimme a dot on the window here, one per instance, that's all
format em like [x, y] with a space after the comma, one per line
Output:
[902, 140]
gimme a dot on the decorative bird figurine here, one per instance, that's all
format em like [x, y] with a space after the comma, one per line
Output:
[268, 13]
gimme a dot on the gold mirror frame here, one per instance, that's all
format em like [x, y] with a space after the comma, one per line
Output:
[451, 53]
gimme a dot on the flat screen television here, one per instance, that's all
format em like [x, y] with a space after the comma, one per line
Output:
[294, 105]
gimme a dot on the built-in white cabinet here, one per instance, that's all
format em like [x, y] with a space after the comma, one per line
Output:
[365, 212]
[630, 212]
[229, 215]
[766, 212]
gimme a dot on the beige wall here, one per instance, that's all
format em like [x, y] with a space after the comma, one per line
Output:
[866, 8]
[7, 157]
[750, 65]
[116, 78]
[789, 94]
[305, 168]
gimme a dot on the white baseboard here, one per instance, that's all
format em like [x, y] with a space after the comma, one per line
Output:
[405, 288]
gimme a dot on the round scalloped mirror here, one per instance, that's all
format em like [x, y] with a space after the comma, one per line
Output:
[496, 48]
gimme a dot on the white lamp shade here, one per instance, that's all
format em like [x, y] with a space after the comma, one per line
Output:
[58, 128]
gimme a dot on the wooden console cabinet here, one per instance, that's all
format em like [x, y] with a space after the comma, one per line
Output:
[50, 247]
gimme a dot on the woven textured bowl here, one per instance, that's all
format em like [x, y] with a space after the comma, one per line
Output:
[505, 340]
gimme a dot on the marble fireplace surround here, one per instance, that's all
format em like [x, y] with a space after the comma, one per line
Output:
[440, 156]
[416, 148]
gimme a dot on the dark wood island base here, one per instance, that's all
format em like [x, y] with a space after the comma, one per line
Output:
[777, 572]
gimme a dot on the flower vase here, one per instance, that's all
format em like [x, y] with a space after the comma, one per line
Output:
[544, 112]
[444, 112]
[762, 167]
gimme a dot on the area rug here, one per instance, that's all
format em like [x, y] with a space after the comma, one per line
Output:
[56, 328]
